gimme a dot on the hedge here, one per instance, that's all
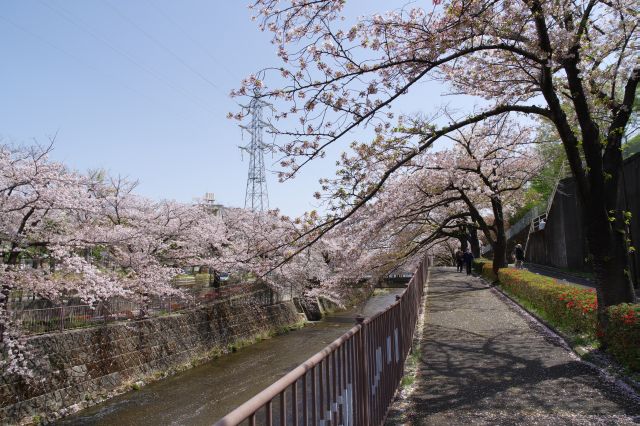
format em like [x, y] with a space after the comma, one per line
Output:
[479, 263]
[624, 334]
[571, 307]
[487, 271]
[575, 309]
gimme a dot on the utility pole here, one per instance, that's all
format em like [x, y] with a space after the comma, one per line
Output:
[256, 198]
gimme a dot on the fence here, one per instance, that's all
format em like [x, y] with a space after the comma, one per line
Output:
[60, 318]
[350, 382]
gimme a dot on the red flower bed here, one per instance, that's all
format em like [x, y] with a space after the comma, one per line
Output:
[572, 307]
[575, 309]
[624, 334]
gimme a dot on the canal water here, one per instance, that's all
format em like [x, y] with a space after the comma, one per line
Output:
[203, 394]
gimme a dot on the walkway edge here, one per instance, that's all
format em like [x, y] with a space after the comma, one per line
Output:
[543, 327]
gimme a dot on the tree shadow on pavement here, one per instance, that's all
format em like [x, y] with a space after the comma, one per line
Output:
[478, 358]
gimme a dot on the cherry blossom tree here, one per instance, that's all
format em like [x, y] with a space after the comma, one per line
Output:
[262, 244]
[36, 199]
[488, 168]
[88, 237]
[573, 63]
[91, 237]
[444, 253]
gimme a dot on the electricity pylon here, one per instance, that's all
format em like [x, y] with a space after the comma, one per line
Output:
[256, 197]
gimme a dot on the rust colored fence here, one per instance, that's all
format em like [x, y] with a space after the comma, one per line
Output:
[350, 382]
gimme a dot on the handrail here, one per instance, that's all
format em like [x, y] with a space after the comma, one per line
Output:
[247, 409]
[523, 223]
[353, 380]
[535, 223]
[555, 187]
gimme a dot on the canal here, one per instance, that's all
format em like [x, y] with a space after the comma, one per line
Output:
[203, 394]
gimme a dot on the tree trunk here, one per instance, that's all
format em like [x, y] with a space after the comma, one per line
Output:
[473, 241]
[500, 245]
[14, 255]
[499, 255]
[606, 232]
[606, 241]
[5, 291]
[463, 244]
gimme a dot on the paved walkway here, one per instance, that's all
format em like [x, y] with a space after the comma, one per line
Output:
[483, 362]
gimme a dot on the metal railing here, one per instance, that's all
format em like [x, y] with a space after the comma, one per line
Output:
[352, 381]
[60, 318]
[523, 223]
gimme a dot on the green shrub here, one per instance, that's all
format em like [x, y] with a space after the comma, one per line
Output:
[623, 337]
[479, 263]
[572, 308]
[487, 271]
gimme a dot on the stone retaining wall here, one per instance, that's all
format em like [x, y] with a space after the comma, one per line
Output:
[79, 368]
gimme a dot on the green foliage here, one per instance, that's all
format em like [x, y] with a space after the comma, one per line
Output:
[540, 188]
[479, 263]
[574, 310]
[182, 276]
[487, 271]
[553, 156]
[408, 380]
[532, 199]
[631, 147]
[624, 334]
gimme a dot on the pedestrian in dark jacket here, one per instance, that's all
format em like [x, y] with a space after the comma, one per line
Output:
[468, 260]
[518, 253]
[459, 260]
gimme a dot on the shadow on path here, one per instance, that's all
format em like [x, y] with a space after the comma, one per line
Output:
[482, 363]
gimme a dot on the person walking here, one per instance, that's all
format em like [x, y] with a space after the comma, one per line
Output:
[459, 260]
[518, 253]
[468, 260]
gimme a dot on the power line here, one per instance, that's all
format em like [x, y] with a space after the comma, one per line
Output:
[164, 47]
[69, 17]
[216, 61]
[76, 58]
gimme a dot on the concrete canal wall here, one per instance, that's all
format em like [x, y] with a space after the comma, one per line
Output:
[563, 242]
[79, 368]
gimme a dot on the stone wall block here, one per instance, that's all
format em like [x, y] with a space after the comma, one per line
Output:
[77, 367]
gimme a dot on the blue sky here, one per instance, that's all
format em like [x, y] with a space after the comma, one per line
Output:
[140, 88]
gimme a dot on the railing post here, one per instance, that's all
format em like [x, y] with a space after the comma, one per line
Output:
[363, 372]
[61, 318]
